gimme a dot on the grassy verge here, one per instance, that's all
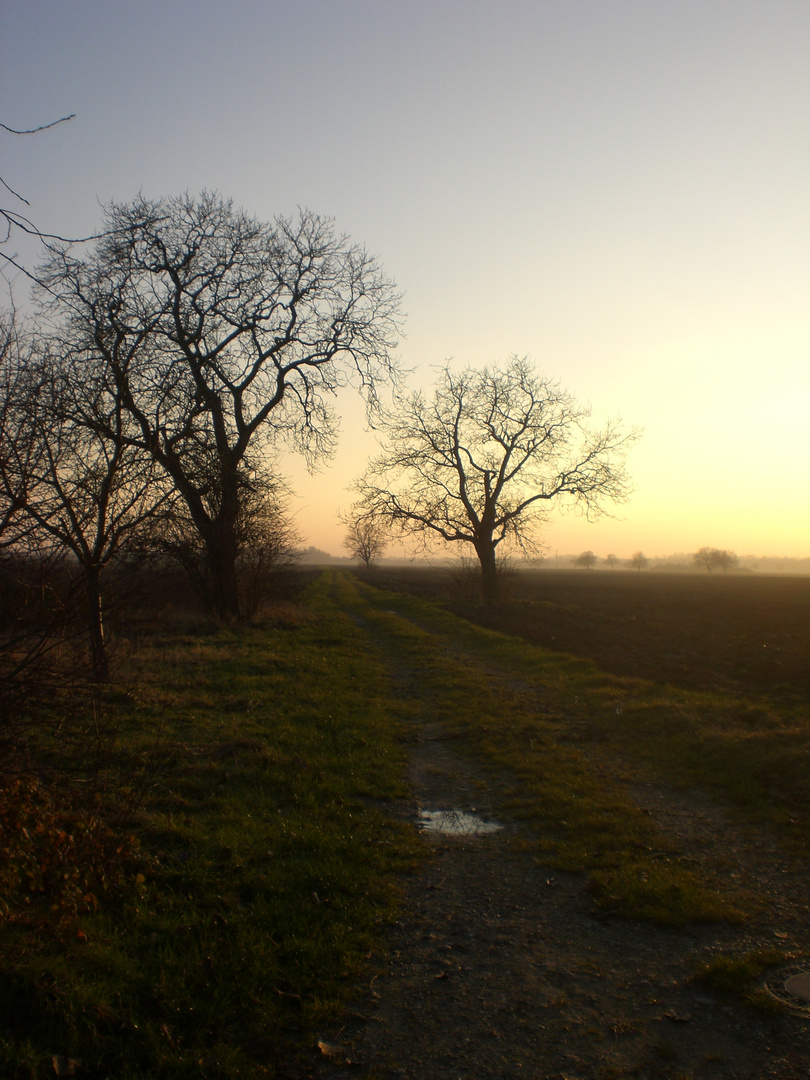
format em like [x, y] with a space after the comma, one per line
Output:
[740, 977]
[263, 865]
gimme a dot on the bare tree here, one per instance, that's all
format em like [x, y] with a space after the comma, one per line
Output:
[366, 536]
[727, 560]
[612, 560]
[638, 561]
[78, 490]
[18, 444]
[711, 558]
[269, 557]
[586, 559]
[225, 336]
[478, 461]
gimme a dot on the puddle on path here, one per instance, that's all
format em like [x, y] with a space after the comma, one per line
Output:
[456, 823]
[790, 985]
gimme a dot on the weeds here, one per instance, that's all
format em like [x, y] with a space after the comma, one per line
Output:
[55, 863]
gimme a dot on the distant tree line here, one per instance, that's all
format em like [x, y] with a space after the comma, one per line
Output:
[707, 558]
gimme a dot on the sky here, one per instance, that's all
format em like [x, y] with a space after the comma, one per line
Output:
[617, 189]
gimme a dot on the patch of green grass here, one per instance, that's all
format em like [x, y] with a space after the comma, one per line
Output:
[740, 977]
[666, 894]
[270, 862]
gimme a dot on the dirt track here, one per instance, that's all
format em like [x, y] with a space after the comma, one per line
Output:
[499, 968]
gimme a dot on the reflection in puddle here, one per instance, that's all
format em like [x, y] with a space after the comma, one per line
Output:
[790, 985]
[799, 985]
[456, 823]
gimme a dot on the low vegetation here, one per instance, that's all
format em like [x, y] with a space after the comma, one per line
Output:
[740, 977]
[207, 898]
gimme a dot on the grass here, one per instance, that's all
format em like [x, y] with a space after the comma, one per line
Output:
[267, 862]
[740, 977]
[752, 754]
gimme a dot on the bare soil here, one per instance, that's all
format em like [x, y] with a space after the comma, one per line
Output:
[500, 968]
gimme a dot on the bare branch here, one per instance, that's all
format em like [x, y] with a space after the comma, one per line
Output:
[42, 127]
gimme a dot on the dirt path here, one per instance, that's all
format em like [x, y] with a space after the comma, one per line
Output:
[499, 968]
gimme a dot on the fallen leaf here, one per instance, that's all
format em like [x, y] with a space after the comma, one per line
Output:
[330, 1049]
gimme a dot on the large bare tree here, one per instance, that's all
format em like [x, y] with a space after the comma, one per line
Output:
[223, 335]
[478, 460]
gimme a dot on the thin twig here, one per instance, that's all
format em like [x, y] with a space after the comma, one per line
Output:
[33, 131]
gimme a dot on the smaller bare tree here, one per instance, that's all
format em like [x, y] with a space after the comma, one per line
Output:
[366, 535]
[479, 461]
[266, 539]
[612, 560]
[638, 560]
[269, 544]
[78, 491]
[586, 559]
[711, 558]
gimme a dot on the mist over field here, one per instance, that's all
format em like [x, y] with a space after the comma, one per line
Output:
[679, 562]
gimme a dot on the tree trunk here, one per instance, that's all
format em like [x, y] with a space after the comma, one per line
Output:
[221, 552]
[485, 551]
[219, 534]
[99, 661]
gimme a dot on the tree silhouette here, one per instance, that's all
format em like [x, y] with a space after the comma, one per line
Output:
[223, 337]
[480, 459]
[586, 559]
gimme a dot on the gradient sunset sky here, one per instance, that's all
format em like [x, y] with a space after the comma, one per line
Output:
[619, 190]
